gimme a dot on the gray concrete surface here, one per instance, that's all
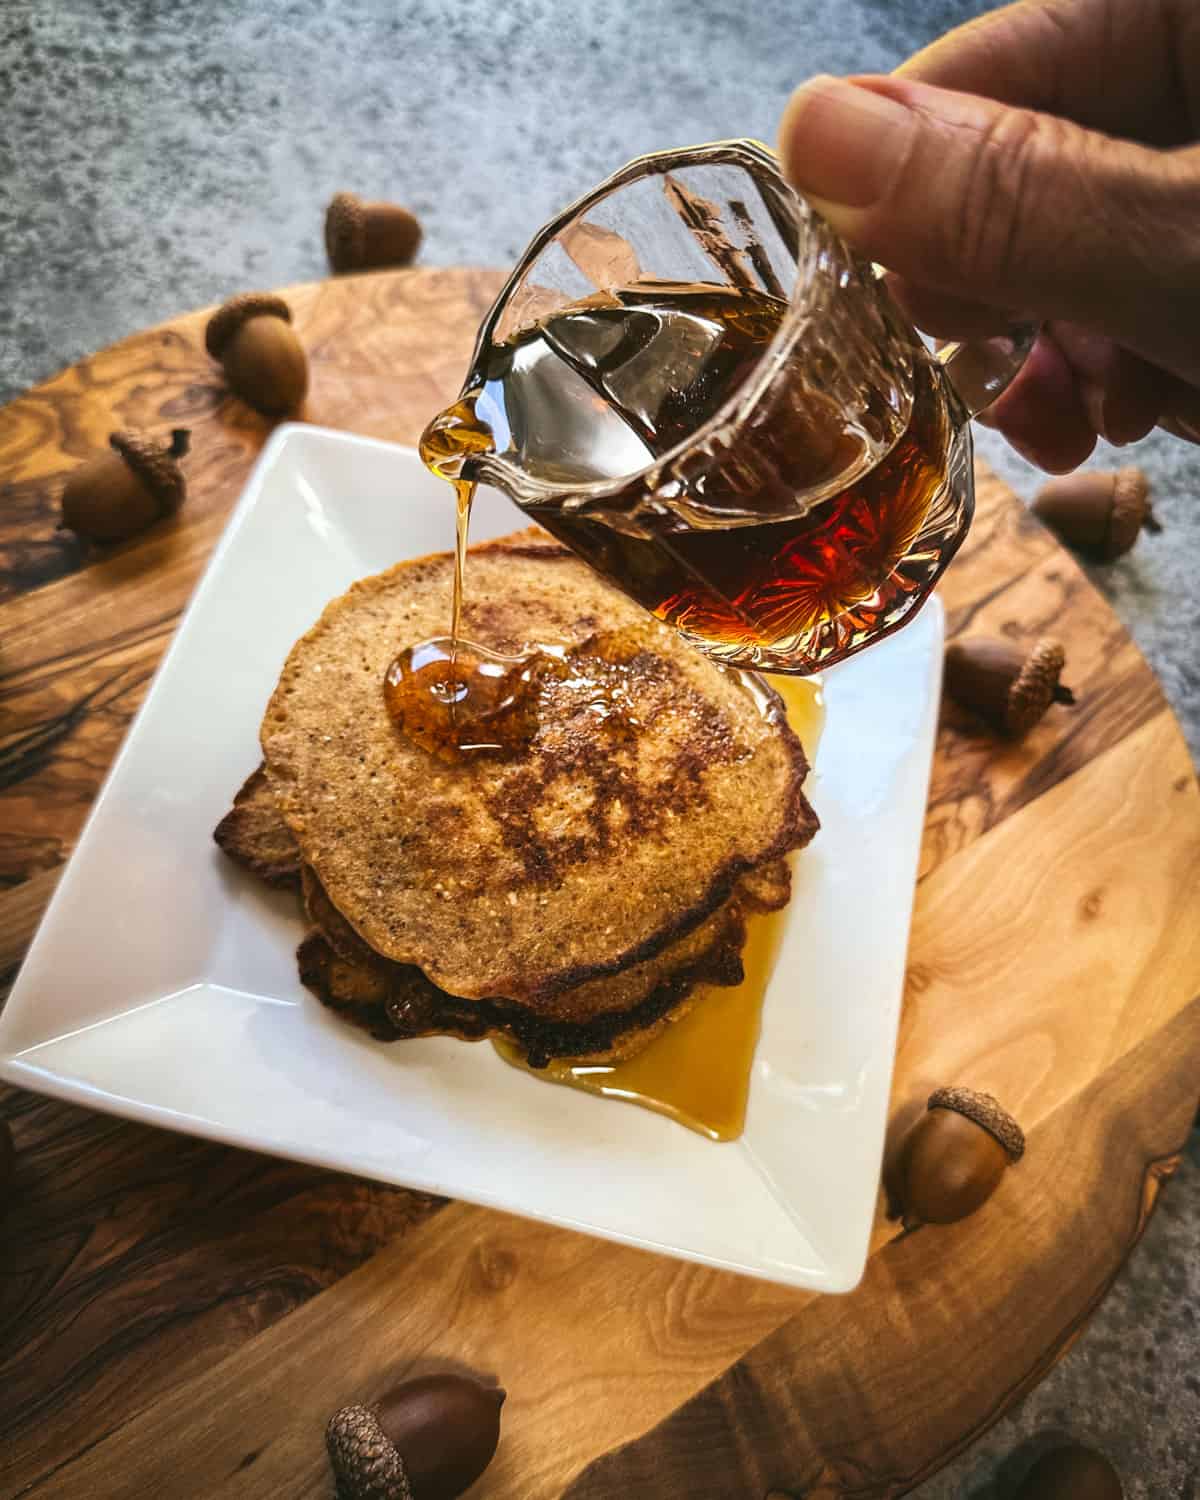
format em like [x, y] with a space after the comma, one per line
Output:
[158, 156]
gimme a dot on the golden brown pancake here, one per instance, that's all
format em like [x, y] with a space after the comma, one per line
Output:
[254, 834]
[397, 1002]
[768, 888]
[578, 857]
[611, 993]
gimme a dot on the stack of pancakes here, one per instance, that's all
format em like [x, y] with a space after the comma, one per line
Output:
[571, 895]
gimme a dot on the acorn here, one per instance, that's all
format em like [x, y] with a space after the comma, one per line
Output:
[264, 362]
[427, 1439]
[8, 1166]
[954, 1157]
[1071, 1473]
[366, 236]
[115, 495]
[1008, 686]
[1100, 513]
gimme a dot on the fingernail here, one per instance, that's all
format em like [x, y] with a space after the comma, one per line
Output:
[843, 143]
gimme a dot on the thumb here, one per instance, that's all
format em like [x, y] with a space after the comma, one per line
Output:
[1006, 206]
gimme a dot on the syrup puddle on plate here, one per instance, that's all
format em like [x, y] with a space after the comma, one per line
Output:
[698, 1071]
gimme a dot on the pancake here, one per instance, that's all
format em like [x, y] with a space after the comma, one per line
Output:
[254, 834]
[520, 878]
[769, 888]
[396, 1002]
[608, 995]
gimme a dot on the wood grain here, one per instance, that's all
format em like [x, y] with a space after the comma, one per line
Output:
[155, 1254]
[82, 631]
[131, 1255]
[178, 1319]
[841, 1401]
[1011, 581]
[600, 1339]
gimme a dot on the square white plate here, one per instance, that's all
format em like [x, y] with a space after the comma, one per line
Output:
[162, 984]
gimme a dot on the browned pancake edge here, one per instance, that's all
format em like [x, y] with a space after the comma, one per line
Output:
[254, 834]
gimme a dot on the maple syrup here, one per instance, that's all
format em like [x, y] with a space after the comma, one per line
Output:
[446, 444]
[456, 698]
[451, 696]
[698, 1070]
[603, 389]
[757, 595]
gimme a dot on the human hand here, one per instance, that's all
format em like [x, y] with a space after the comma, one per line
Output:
[1039, 162]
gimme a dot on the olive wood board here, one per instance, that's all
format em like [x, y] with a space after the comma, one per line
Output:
[178, 1319]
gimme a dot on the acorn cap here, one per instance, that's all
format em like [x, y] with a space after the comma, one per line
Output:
[1099, 513]
[155, 464]
[362, 236]
[230, 316]
[986, 1112]
[1035, 687]
[345, 231]
[1006, 685]
[1130, 512]
[366, 1465]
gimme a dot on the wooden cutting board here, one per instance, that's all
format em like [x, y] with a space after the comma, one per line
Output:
[178, 1319]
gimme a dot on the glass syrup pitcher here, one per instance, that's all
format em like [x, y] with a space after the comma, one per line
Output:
[698, 388]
